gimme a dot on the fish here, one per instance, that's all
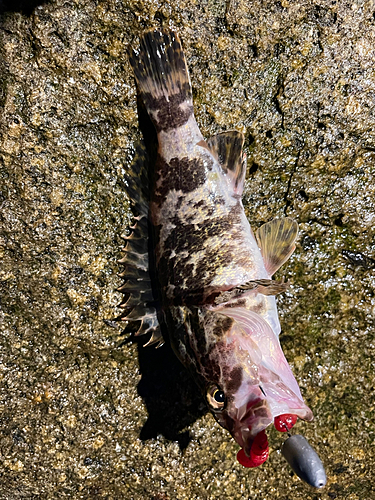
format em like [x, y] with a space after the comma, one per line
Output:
[196, 275]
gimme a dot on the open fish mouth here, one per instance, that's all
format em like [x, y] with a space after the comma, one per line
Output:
[249, 427]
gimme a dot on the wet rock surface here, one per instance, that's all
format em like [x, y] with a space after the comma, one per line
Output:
[82, 416]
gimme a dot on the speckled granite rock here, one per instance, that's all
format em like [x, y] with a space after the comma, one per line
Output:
[82, 417]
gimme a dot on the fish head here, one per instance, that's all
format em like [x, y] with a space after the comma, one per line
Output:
[248, 382]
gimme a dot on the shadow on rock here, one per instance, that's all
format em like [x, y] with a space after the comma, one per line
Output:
[24, 6]
[172, 398]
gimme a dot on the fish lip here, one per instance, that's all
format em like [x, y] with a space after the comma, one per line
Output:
[247, 445]
[243, 429]
[248, 426]
[245, 438]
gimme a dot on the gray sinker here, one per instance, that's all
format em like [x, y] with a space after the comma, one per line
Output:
[304, 460]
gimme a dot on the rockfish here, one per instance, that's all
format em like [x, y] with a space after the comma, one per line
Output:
[195, 272]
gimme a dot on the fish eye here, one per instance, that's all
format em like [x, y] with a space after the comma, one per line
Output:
[216, 398]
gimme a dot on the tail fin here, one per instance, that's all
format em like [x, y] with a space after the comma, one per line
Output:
[162, 76]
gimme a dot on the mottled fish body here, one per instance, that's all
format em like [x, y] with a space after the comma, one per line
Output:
[213, 276]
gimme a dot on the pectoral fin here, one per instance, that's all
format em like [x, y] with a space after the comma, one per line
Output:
[227, 148]
[276, 240]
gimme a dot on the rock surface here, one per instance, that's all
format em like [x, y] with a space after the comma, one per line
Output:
[83, 417]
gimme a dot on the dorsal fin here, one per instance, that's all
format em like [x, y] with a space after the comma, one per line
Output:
[138, 303]
[227, 148]
[276, 240]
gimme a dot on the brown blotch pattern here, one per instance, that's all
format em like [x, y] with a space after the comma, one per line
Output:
[235, 379]
[170, 113]
[180, 174]
[178, 271]
[223, 325]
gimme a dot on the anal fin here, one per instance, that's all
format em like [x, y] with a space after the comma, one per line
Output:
[227, 148]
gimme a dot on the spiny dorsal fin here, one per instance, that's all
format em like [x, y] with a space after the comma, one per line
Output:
[276, 240]
[139, 303]
[136, 181]
[227, 148]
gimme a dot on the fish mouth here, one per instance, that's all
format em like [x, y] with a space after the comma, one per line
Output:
[252, 419]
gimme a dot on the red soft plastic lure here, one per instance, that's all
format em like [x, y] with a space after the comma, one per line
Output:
[283, 423]
[258, 453]
[259, 450]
